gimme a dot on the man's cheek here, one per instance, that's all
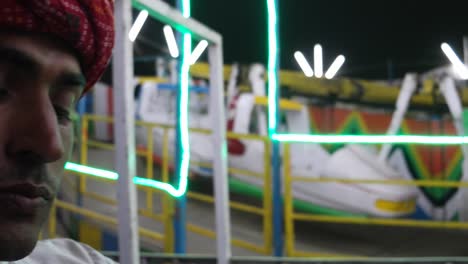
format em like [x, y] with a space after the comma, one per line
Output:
[57, 168]
[55, 173]
[66, 133]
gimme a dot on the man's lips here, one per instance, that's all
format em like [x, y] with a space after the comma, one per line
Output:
[26, 189]
[24, 198]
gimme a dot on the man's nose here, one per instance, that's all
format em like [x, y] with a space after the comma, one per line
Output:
[35, 132]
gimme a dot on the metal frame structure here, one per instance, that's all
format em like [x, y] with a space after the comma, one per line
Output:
[124, 123]
[125, 136]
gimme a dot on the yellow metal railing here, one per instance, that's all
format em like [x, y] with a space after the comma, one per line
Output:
[290, 214]
[265, 211]
[52, 228]
[149, 211]
[165, 217]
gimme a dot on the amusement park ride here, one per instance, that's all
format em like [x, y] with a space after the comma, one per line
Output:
[247, 115]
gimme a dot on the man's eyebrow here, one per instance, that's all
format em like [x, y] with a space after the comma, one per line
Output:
[19, 59]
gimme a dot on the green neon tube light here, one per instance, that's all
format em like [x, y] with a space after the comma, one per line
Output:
[110, 175]
[183, 107]
[272, 66]
[183, 118]
[373, 139]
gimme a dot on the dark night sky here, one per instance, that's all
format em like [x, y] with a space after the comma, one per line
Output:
[372, 34]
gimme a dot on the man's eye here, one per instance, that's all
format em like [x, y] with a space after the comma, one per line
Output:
[63, 115]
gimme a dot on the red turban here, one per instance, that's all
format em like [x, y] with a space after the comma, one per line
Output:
[86, 25]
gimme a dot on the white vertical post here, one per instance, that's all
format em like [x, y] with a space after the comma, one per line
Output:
[160, 66]
[408, 87]
[124, 132]
[217, 110]
[464, 191]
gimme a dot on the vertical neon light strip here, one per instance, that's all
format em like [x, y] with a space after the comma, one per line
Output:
[272, 67]
[183, 106]
[186, 8]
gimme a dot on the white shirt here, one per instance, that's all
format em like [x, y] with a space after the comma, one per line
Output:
[63, 251]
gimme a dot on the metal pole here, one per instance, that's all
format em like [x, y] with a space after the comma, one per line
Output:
[180, 216]
[465, 49]
[124, 132]
[276, 160]
[277, 202]
[220, 177]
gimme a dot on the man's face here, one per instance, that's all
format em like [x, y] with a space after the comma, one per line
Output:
[40, 83]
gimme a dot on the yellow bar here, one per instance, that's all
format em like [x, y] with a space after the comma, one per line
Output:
[167, 210]
[151, 79]
[267, 201]
[153, 125]
[426, 183]
[84, 150]
[85, 212]
[231, 135]
[109, 181]
[236, 242]
[107, 146]
[201, 164]
[100, 198]
[202, 70]
[201, 231]
[151, 215]
[200, 130]
[283, 105]
[246, 173]
[53, 221]
[288, 203]
[248, 246]
[404, 207]
[381, 221]
[101, 145]
[344, 88]
[165, 156]
[149, 166]
[230, 170]
[103, 218]
[106, 200]
[200, 197]
[247, 208]
[151, 234]
[90, 234]
[234, 205]
[99, 118]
